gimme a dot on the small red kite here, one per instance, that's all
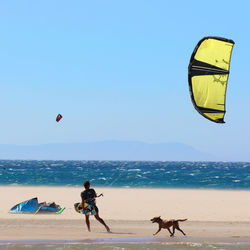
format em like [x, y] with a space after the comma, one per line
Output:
[59, 117]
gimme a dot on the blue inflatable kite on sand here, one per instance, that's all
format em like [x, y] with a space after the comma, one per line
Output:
[33, 207]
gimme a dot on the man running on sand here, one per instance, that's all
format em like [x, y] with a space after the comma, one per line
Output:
[88, 196]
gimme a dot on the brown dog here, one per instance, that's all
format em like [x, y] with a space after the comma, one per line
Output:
[166, 224]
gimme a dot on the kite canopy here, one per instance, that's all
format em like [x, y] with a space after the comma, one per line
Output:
[59, 117]
[32, 207]
[29, 206]
[208, 73]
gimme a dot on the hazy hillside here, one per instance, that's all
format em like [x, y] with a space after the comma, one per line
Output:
[106, 150]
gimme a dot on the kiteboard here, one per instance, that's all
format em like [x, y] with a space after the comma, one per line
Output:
[88, 209]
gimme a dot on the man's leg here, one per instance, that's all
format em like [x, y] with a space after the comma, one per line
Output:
[102, 222]
[87, 221]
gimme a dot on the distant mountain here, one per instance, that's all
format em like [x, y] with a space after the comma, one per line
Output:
[105, 150]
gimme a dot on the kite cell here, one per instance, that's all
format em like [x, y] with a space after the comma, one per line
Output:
[59, 117]
[208, 73]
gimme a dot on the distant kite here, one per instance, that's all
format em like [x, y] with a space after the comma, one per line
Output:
[59, 117]
[208, 73]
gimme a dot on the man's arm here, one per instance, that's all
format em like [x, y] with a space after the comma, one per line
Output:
[95, 194]
[83, 202]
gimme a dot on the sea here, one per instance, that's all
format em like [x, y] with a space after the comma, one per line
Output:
[146, 174]
[137, 244]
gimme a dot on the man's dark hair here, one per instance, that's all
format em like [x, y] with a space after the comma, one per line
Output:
[86, 184]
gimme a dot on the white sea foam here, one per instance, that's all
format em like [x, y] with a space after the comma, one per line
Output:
[102, 178]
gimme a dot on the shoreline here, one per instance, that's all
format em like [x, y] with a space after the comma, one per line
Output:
[133, 240]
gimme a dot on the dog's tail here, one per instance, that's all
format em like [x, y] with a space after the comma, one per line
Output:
[181, 220]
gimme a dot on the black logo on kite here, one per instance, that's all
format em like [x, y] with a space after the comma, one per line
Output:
[59, 117]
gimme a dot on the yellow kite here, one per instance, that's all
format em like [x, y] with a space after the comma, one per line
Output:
[208, 73]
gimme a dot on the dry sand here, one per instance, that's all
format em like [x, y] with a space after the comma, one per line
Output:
[210, 213]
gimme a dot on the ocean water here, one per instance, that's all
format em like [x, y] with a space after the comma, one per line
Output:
[216, 175]
[194, 243]
[126, 246]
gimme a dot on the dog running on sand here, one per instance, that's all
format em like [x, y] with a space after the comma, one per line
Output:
[166, 224]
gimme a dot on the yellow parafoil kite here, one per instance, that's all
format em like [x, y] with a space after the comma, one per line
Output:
[208, 73]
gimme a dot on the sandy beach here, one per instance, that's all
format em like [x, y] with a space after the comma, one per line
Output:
[210, 213]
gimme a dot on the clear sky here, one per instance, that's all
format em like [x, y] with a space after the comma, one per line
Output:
[117, 70]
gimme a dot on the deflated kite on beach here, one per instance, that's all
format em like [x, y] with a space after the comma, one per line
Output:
[208, 73]
[33, 207]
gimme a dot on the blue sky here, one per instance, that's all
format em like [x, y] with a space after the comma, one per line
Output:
[117, 70]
